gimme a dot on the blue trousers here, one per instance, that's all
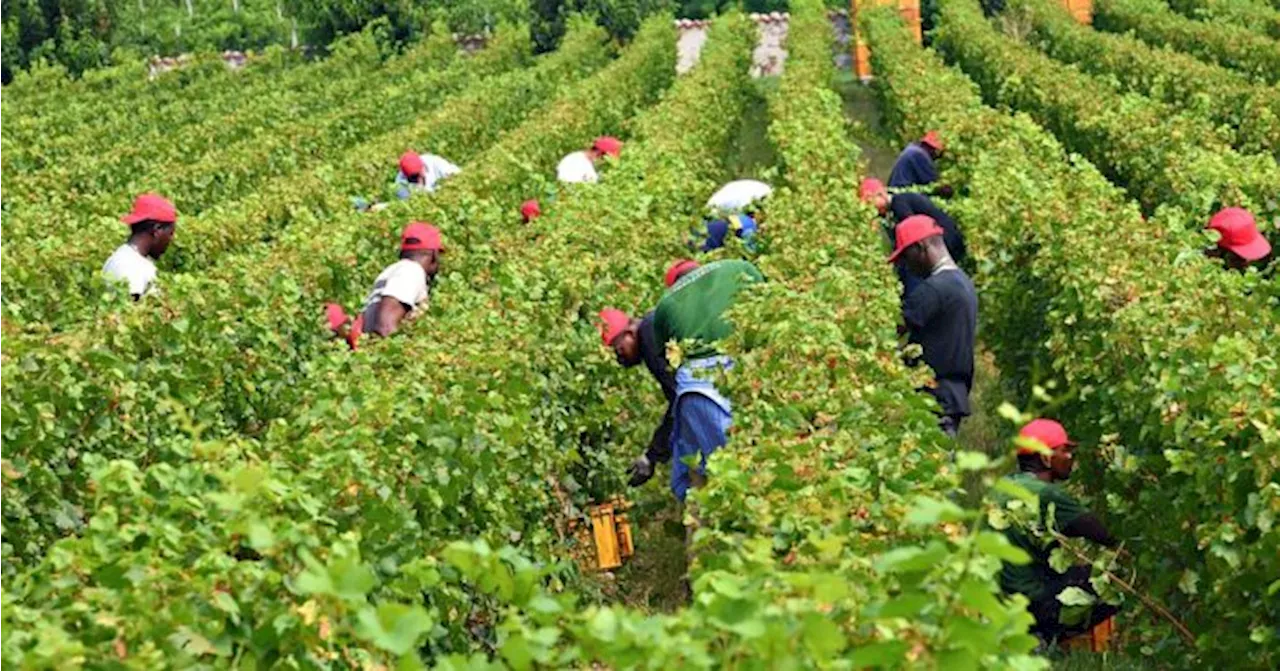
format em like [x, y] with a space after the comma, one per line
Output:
[701, 427]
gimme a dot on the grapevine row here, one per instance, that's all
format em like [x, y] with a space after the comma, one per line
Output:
[1141, 337]
[1255, 15]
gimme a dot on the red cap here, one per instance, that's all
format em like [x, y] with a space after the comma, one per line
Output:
[418, 236]
[530, 210]
[411, 164]
[678, 269]
[870, 188]
[607, 144]
[150, 207]
[357, 330]
[612, 323]
[932, 139]
[336, 315]
[1239, 233]
[1048, 432]
[913, 229]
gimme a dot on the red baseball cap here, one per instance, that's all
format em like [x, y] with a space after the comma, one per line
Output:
[411, 164]
[678, 269]
[1048, 432]
[150, 207]
[419, 236]
[530, 210]
[607, 144]
[913, 229]
[932, 139]
[870, 188]
[1239, 233]
[612, 323]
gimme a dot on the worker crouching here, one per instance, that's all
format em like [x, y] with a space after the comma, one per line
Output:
[401, 290]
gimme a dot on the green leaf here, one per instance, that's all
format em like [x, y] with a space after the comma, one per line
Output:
[393, 627]
[996, 545]
[911, 559]
[886, 654]
[972, 461]
[1075, 596]
[927, 511]
[822, 637]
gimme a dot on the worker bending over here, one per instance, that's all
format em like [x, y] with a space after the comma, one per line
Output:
[580, 166]
[940, 315]
[915, 165]
[896, 208]
[712, 234]
[1045, 457]
[421, 173]
[741, 195]
[152, 223]
[401, 290]
[1240, 244]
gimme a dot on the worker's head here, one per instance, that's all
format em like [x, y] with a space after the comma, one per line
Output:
[412, 167]
[1045, 449]
[621, 333]
[420, 242]
[1239, 241]
[677, 270]
[530, 210]
[604, 145]
[152, 223]
[932, 143]
[918, 242]
[872, 191]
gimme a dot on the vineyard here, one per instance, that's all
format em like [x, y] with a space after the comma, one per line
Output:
[207, 477]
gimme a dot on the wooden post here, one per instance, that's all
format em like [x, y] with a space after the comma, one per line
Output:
[910, 11]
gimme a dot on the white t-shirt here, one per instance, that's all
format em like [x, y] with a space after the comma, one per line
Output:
[434, 169]
[576, 168]
[127, 264]
[404, 280]
[738, 194]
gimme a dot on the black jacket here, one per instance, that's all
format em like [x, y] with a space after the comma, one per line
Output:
[654, 354]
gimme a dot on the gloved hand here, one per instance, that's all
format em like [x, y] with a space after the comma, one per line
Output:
[944, 191]
[641, 471]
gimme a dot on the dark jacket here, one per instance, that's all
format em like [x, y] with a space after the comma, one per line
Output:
[654, 354]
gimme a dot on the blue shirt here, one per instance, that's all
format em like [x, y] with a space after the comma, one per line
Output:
[914, 167]
[717, 230]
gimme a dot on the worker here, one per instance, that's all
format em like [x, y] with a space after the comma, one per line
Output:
[421, 173]
[633, 341]
[940, 315]
[739, 197]
[691, 313]
[904, 205]
[152, 223]
[1240, 244]
[915, 165]
[530, 210]
[1045, 457]
[580, 166]
[712, 234]
[401, 290]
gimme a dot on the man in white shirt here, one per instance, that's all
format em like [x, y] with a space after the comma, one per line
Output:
[151, 226]
[421, 172]
[400, 291]
[734, 197]
[580, 166]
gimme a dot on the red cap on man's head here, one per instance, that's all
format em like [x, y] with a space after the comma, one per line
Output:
[411, 164]
[612, 323]
[1239, 233]
[530, 210]
[678, 269]
[932, 139]
[870, 188]
[607, 144]
[1048, 432]
[913, 229]
[419, 236]
[150, 207]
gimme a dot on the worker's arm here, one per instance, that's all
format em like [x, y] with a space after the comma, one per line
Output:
[390, 312]
[1088, 526]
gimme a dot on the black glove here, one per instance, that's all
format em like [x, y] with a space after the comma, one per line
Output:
[641, 471]
[944, 191]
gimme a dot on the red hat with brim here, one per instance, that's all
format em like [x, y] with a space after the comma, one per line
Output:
[1239, 233]
[1047, 432]
[612, 323]
[419, 236]
[150, 207]
[530, 210]
[608, 145]
[913, 229]
[411, 164]
[870, 188]
[932, 139]
[678, 269]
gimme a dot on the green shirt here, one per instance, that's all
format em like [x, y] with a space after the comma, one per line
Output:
[693, 309]
[1055, 504]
